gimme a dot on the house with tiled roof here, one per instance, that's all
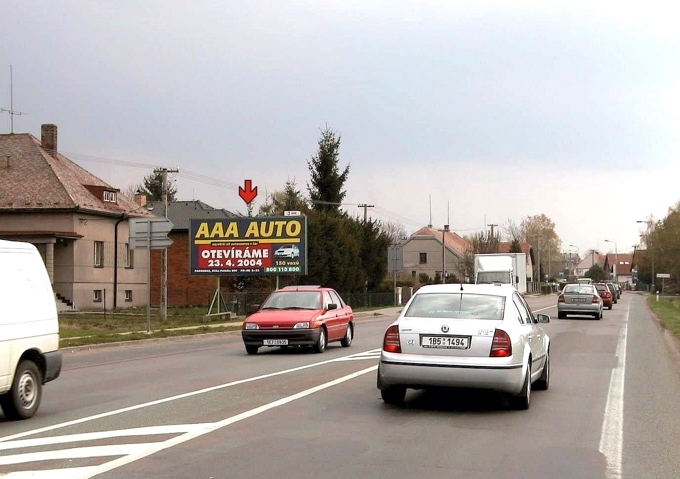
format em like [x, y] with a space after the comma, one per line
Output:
[183, 288]
[619, 266]
[432, 251]
[589, 260]
[78, 222]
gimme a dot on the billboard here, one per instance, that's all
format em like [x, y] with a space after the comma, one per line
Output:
[248, 246]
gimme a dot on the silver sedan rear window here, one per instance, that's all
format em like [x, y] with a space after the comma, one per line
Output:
[578, 289]
[456, 306]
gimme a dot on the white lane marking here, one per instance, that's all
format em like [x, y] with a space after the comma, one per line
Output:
[611, 439]
[78, 453]
[164, 400]
[109, 466]
[373, 354]
[543, 309]
[52, 473]
[95, 436]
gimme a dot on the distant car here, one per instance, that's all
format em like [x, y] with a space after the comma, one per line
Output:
[470, 336]
[584, 280]
[617, 288]
[582, 299]
[299, 316]
[287, 251]
[606, 294]
[614, 290]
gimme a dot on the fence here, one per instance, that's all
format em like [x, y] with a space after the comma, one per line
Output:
[243, 303]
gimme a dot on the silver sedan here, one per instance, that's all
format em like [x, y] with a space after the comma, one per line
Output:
[579, 299]
[466, 335]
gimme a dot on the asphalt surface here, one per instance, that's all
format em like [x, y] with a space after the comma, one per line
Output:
[203, 408]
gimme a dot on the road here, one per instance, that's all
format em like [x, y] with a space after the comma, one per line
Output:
[202, 408]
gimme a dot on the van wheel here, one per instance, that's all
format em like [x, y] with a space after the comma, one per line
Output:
[22, 401]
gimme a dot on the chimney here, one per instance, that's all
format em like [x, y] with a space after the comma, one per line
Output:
[48, 137]
[140, 199]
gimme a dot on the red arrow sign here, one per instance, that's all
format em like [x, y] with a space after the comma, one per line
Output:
[248, 193]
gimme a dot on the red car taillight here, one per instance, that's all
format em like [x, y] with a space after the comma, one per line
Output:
[391, 342]
[501, 346]
[560, 299]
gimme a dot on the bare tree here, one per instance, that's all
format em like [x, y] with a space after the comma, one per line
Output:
[394, 231]
[512, 230]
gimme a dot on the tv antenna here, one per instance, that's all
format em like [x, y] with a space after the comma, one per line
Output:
[11, 110]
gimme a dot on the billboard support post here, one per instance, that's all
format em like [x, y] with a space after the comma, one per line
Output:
[148, 281]
[218, 300]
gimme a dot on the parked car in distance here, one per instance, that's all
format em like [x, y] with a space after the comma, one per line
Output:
[287, 251]
[478, 336]
[29, 330]
[299, 316]
[606, 294]
[584, 280]
[581, 299]
[614, 290]
[617, 288]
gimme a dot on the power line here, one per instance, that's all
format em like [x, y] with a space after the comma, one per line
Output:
[209, 180]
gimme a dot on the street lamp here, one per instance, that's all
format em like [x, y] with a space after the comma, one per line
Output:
[616, 266]
[578, 256]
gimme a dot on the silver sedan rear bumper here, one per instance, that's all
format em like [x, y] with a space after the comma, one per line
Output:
[504, 378]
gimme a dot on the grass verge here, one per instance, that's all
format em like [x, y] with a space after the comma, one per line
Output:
[668, 311]
[89, 328]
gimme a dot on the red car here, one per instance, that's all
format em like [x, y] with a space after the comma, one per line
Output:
[605, 294]
[299, 316]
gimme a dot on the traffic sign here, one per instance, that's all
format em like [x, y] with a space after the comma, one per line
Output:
[150, 233]
[395, 258]
[663, 275]
[158, 225]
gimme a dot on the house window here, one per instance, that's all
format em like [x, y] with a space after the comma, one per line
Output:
[97, 298]
[128, 295]
[98, 254]
[110, 196]
[129, 256]
[423, 258]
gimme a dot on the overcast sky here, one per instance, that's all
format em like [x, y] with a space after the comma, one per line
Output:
[485, 110]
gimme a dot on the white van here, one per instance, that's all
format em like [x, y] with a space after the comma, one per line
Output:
[29, 329]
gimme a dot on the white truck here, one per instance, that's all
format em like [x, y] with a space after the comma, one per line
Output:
[505, 268]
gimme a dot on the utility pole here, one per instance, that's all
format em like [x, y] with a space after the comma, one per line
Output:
[365, 207]
[492, 226]
[444, 231]
[164, 251]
